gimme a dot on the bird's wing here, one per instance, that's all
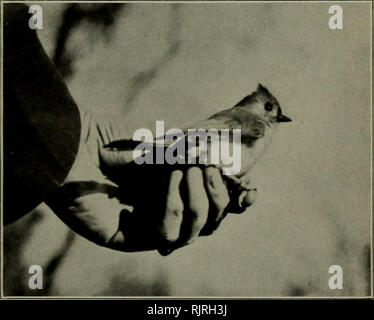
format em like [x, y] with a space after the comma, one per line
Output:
[252, 128]
[234, 118]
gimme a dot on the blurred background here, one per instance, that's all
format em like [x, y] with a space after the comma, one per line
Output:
[180, 63]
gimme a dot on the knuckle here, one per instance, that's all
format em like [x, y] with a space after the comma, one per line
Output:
[199, 204]
[213, 177]
[168, 236]
[196, 226]
[198, 211]
[170, 226]
[174, 207]
[222, 202]
[176, 212]
[197, 222]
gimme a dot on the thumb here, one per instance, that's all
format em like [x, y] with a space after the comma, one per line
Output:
[114, 158]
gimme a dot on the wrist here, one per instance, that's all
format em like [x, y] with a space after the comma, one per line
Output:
[103, 129]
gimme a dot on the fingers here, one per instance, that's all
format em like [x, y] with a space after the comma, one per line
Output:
[218, 199]
[197, 205]
[197, 201]
[248, 198]
[184, 218]
[240, 201]
[172, 219]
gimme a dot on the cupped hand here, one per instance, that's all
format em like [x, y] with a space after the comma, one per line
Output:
[114, 204]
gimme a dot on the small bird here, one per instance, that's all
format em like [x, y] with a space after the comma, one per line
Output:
[257, 115]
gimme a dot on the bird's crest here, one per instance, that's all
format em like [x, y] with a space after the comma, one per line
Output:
[265, 92]
[261, 90]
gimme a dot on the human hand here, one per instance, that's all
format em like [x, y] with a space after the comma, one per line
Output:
[148, 208]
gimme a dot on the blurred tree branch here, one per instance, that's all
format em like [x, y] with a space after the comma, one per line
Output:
[99, 15]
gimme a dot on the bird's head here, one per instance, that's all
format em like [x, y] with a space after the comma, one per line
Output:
[263, 104]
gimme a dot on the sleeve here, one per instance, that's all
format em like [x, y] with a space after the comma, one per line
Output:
[41, 122]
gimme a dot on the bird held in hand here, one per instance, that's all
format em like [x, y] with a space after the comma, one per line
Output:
[258, 116]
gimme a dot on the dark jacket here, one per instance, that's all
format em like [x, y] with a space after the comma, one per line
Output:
[41, 124]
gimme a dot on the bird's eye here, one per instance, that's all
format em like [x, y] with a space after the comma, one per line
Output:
[268, 106]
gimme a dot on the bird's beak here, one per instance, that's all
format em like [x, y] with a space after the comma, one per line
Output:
[283, 118]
